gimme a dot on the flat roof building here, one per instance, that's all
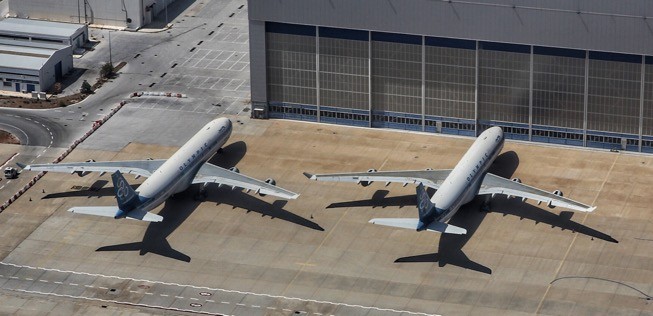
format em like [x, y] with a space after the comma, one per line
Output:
[571, 72]
[75, 35]
[129, 14]
[32, 66]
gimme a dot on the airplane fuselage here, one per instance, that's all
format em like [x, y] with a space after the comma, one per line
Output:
[177, 173]
[464, 181]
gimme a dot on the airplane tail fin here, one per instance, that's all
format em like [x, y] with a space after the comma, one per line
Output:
[424, 205]
[125, 195]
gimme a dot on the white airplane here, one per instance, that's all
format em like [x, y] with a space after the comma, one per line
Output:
[455, 187]
[166, 177]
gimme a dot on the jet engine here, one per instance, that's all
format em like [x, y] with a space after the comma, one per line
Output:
[84, 173]
[268, 181]
[234, 169]
[366, 183]
[556, 192]
[516, 180]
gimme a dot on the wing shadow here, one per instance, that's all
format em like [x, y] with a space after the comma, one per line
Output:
[516, 207]
[239, 199]
[175, 212]
[97, 189]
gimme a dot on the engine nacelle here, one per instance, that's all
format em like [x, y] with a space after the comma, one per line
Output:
[366, 183]
[234, 169]
[268, 181]
[556, 192]
[84, 173]
[516, 180]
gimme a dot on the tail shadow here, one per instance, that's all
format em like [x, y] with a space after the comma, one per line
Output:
[175, 211]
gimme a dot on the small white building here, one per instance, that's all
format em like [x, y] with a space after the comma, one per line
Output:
[75, 35]
[129, 14]
[32, 66]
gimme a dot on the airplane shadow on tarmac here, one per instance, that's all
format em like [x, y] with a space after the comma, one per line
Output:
[470, 217]
[178, 208]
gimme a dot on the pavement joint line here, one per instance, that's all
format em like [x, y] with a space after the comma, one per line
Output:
[223, 290]
[115, 302]
[571, 244]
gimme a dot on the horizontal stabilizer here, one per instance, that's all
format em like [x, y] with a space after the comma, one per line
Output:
[106, 211]
[113, 211]
[413, 223]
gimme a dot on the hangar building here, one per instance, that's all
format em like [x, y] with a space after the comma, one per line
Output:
[573, 72]
[130, 14]
[32, 66]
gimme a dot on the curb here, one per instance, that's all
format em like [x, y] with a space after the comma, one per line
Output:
[61, 157]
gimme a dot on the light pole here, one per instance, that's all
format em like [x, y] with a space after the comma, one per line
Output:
[165, 4]
[110, 59]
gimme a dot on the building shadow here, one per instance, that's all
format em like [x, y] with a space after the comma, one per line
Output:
[175, 9]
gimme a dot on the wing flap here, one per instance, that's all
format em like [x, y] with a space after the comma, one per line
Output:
[430, 178]
[209, 173]
[493, 184]
[413, 223]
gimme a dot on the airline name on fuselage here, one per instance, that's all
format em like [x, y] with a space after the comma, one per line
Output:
[480, 163]
[199, 152]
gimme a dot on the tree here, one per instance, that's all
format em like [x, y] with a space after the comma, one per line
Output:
[107, 70]
[86, 88]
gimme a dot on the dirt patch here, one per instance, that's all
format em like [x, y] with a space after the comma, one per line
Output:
[8, 138]
[53, 102]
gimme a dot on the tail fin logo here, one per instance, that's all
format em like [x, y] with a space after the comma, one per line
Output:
[121, 190]
[125, 194]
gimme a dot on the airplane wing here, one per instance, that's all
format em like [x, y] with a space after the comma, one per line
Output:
[143, 168]
[493, 184]
[430, 178]
[413, 223]
[209, 173]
